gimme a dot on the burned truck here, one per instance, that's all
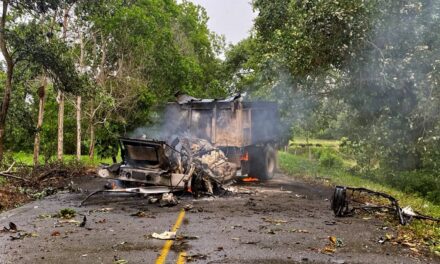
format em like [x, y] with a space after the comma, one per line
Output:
[246, 132]
[203, 144]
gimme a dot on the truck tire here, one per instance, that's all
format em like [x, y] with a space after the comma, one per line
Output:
[263, 163]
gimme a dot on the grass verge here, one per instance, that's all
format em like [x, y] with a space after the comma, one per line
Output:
[27, 158]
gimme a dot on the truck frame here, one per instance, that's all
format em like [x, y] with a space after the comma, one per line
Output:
[247, 132]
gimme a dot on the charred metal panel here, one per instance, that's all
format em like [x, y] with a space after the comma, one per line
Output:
[227, 128]
[229, 124]
[247, 123]
[201, 123]
[265, 123]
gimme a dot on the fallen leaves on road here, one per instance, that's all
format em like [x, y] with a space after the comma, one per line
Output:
[23, 235]
[334, 243]
[139, 214]
[102, 210]
[328, 249]
[385, 238]
[69, 221]
[196, 257]
[298, 231]
[118, 260]
[274, 221]
[186, 237]
[55, 233]
[142, 214]
[101, 221]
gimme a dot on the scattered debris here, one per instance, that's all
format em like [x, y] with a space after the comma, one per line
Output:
[342, 197]
[330, 248]
[274, 221]
[83, 223]
[165, 235]
[298, 231]
[117, 260]
[103, 210]
[12, 227]
[188, 207]
[330, 223]
[69, 221]
[23, 235]
[27, 183]
[139, 214]
[195, 257]
[168, 199]
[250, 242]
[153, 200]
[101, 221]
[385, 238]
[336, 241]
[66, 213]
[186, 237]
[20, 234]
[55, 233]
[183, 163]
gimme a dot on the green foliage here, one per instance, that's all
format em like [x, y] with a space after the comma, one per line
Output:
[66, 213]
[31, 44]
[328, 157]
[153, 50]
[367, 71]
[136, 56]
[311, 36]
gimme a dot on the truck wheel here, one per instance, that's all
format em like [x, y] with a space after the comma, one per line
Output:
[263, 163]
[269, 163]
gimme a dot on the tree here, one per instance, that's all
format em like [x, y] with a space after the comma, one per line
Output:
[375, 58]
[16, 40]
[151, 48]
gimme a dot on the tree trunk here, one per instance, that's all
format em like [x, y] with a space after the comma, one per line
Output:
[60, 125]
[8, 82]
[78, 128]
[61, 98]
[41, 97]
[92, 138]
[78, 101]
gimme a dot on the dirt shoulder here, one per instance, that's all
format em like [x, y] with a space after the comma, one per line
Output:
[281, 221]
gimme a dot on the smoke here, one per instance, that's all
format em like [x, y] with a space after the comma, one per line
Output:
[170, 122]
[381, 89]
[393, 84]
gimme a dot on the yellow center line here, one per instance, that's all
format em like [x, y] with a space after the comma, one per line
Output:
[166, 248]
[182, 258]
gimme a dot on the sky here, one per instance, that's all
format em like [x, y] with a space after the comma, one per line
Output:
[232, 18]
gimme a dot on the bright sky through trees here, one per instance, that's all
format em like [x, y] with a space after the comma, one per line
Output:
[232, 18]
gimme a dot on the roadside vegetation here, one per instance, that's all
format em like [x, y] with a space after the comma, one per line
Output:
[27, 159]
[330, 166]
[78, 74]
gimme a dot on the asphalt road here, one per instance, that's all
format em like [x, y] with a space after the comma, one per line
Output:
[280, 221]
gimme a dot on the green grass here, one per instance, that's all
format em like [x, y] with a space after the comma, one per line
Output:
[323, 142]
[27, 158]
[300, 166]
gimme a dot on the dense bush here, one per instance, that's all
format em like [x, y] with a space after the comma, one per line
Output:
[419, 182]
[328, 157]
